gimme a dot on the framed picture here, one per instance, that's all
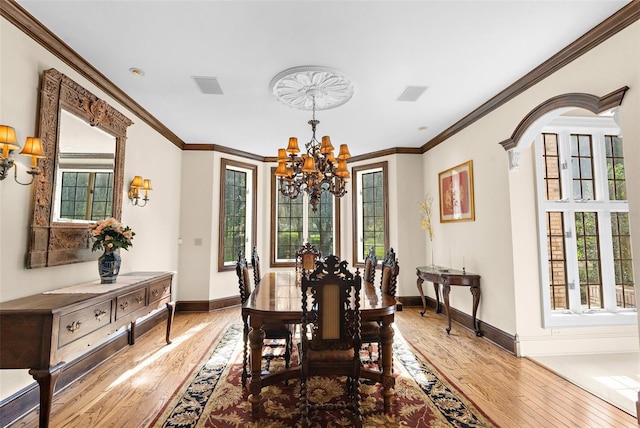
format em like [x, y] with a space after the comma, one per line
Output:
[456, 193]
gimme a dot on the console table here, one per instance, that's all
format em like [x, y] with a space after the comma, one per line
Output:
[45, 331]
[448, 277]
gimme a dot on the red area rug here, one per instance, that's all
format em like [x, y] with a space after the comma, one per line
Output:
[212, 396]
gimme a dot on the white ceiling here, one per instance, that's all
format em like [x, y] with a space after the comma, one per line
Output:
[464, 51]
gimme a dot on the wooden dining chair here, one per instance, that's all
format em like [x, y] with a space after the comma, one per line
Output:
[306, 257]
[388, 284]
[330, 333]
[274, 333]
[370, 263]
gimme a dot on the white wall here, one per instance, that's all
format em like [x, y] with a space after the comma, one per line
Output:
[147, 153]
[200, 279]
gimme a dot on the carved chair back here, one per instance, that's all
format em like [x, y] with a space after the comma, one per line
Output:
[370, 263]
[306, 257]
[390, 270]
[255, 264]
[244, 280]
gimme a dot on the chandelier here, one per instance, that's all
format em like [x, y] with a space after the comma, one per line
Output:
[317, 169]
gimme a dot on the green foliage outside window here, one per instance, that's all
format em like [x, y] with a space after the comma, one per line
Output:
[235, 214]
[373, 213]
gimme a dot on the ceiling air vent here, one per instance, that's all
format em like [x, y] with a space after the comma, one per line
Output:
[411, 93]
[208, 85]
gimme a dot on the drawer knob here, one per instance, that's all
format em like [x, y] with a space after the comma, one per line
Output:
[73, 326]
[100, 314]
[155, 292]
[139, 299]
[124, 305]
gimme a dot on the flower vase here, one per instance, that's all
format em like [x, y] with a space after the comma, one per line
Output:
[109, 266]
[432, 261]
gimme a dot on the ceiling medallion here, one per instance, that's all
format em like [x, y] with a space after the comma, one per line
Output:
[302, 87]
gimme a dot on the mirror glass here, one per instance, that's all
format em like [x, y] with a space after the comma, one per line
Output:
[84, 171]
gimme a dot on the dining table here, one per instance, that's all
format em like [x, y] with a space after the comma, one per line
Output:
[277, 298]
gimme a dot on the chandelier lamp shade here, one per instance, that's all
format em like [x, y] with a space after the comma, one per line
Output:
[32, 147]
[317, 169]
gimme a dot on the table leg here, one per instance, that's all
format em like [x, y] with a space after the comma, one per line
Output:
[171, 310]
[245, 338]
[424, 301]
[388, 381]
[436, 288]
[475, 291]
[47, 382]
[446, 289]
[256, 339]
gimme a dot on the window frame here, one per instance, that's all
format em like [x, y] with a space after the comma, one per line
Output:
[251, 216]
[576, 315]
[358, 229]
[273, 238]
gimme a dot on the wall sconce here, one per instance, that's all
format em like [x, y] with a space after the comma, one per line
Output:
[138, 184]
[32, 147]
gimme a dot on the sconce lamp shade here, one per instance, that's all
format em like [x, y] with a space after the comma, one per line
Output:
[137, 182]
[33, 147]
[137, 185]
[7, 140]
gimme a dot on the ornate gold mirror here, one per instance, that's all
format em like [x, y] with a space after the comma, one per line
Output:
[82, 175]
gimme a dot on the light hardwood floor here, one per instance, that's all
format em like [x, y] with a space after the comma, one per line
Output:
[130, 389]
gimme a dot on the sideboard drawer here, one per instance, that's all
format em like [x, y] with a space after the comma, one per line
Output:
[159, 290]
[75, 325]
[131, 302]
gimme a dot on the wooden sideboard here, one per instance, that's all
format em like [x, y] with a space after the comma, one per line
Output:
[45, 331]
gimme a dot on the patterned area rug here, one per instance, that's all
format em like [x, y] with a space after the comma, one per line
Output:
[213, 397]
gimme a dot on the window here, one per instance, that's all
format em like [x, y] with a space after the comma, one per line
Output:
[584, 224]
[86, 195]
[238, 183]
[370, 211]
[293, 223]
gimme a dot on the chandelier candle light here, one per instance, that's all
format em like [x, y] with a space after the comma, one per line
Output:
[317, 169]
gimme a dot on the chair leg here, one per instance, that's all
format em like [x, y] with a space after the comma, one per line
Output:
[245, 373]
[304, 403]
[288, 350]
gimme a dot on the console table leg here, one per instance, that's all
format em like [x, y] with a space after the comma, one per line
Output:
[446, 288]
[436, 288]
[475, 291]
[424, 302]
[132, 333]
[47, 382]
[171, 310]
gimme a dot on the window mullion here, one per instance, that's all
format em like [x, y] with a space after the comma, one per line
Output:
[573, 277]
[606, 253]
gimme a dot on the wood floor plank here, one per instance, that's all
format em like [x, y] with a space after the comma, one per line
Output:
[131, 388]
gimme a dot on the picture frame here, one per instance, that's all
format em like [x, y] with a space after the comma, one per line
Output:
[455, 186]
